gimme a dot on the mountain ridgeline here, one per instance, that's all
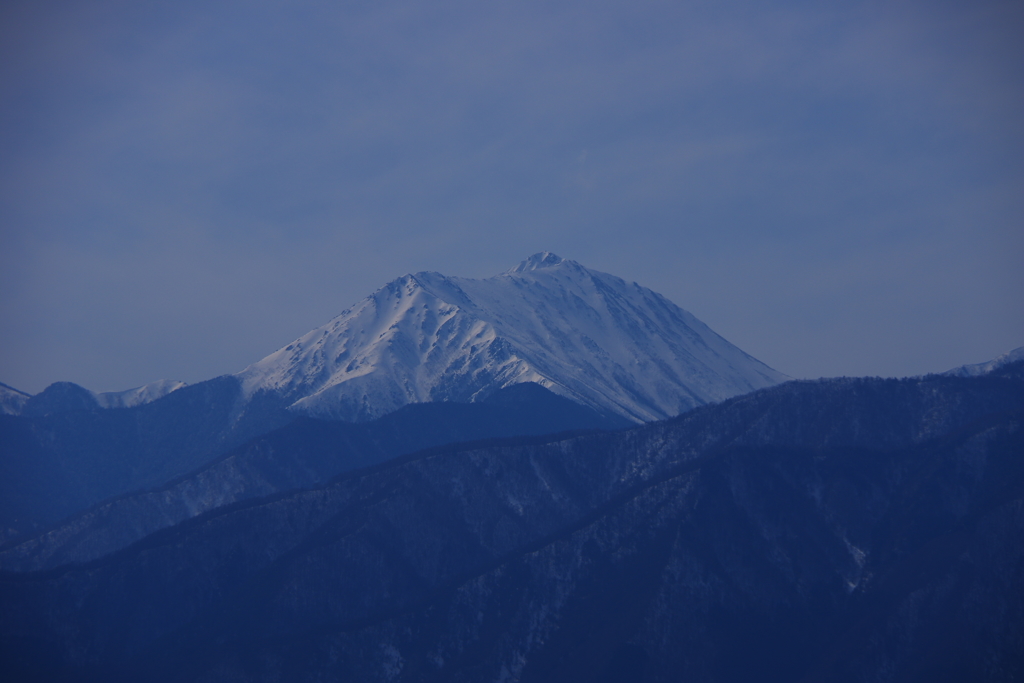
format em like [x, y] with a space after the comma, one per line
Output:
[836, 530]
[65, 452]
[620, 351]
[548, 475]
[616, 347]
[303, 453]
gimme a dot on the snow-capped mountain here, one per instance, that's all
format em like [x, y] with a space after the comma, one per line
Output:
[147, 393]
[63, 396]
[977, 369]
[589, 336]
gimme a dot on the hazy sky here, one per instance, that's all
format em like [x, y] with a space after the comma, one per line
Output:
[835, 187]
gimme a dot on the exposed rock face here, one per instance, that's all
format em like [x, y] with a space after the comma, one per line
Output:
[842, 530]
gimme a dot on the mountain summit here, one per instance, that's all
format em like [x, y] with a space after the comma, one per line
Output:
[592, 337]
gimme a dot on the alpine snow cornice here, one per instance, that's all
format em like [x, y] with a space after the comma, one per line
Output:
[589, 336]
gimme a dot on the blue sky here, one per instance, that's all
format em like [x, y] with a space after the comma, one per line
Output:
[835, 187]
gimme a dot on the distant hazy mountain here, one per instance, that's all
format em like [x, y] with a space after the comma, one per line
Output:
[591, 337]
[842, 530]
[617, 347]
[62, 397]
[985, 368]
[147, 393]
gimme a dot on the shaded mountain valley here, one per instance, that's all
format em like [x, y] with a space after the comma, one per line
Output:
[835, 530]
[303, 453]
[64, 453]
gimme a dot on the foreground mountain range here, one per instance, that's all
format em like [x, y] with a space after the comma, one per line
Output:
[837, 530]
[303, 453]
[460, 480]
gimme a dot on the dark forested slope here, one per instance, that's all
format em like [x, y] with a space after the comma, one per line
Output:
[87, 456]
[840, 530]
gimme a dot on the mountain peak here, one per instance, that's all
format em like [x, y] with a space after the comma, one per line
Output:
[542, 259]
[587, 336]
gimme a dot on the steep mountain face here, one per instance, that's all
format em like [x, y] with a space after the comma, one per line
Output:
[616, 347]
[839, 530]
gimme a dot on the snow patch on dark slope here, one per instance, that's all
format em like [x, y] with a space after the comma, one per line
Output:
[617, 347]
[12, 400]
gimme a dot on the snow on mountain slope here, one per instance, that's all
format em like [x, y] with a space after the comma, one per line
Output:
[591, 337]
[12, 400]
[52, 399]
[147, 393]
[978, 369]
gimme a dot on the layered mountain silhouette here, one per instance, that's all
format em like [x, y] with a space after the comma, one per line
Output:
[548, 475]
[303, 453]
[836, 530]
[620, 350]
